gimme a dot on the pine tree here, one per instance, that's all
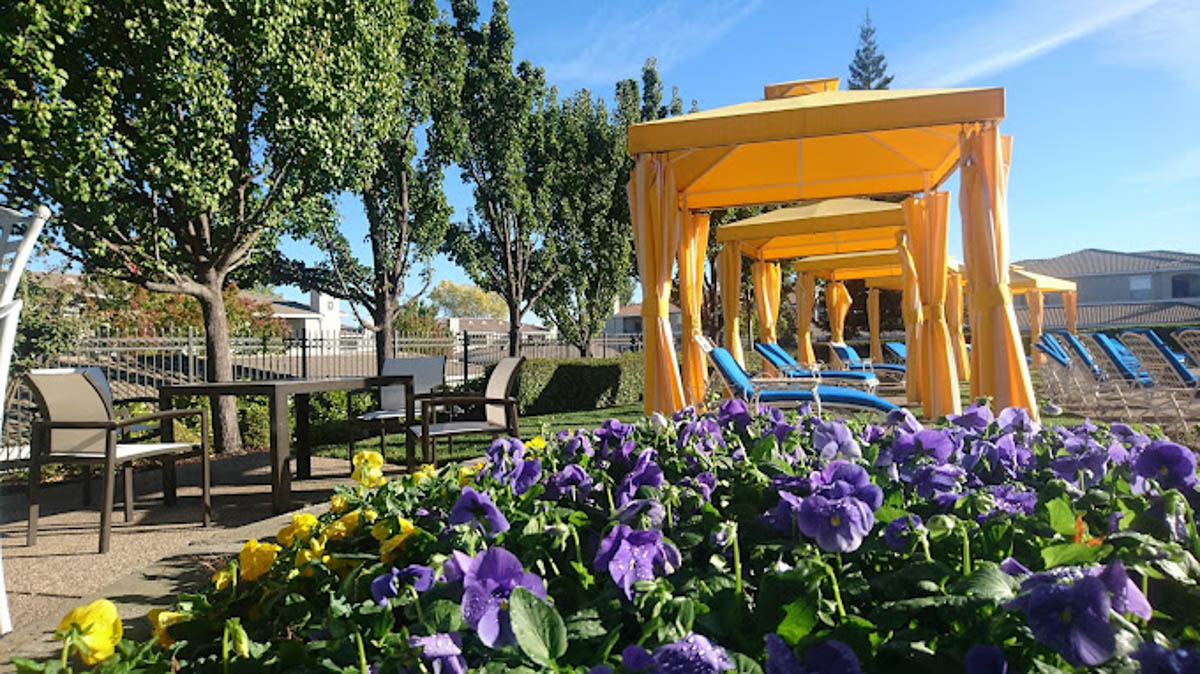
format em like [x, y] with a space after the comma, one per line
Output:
[868, 70]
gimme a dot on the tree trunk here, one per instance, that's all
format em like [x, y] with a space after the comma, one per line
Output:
[514, 331]
[218, 366]
[385, 318]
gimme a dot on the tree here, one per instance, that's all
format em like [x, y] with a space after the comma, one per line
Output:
[129, 307]
[466, 301]
[406, 207]
[193, 133]
[868, 70]
[591, 220]
[509, 159]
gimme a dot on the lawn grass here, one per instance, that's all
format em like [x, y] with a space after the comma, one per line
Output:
[471, 446]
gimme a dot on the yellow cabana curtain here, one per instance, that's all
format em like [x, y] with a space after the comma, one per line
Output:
[657, 227]
[1034, 298]
[837, 305]
[766, 303]
[997, 356]
[1069, 310]
[729, 263]
[805, 296]
[954, 318]
[873, 325]
[925, 218]
[910, 309]
[693, 250]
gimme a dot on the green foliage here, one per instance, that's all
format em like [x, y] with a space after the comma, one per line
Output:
[49, 326]
[558, 385]
[868, 70]
[125, 306]
[465, 300]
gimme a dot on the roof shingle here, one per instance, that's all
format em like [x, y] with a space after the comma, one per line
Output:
[1091, 261]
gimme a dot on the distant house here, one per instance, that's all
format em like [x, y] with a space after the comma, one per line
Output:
[321, 316]
[458, 325]
[628, 321]
[1116, 289]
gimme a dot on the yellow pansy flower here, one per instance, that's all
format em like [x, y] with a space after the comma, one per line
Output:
[223, 578]
[300, 528]
[256, 558]
[465, 473]
[381, 531]
[538, 443]
[160, 620]
[427, 471]
[370, 514]
[338, 504]
[391, 548]
[342, 567]
[343, 526]
[367, 458]
[102, 627]
[368, 477]
[314, 551]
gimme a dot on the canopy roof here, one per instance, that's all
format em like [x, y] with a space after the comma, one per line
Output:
[1021, 280]
[822, 228]
[847, 266]
[829, 143]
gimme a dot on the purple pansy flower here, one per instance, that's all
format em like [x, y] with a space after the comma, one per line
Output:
[975, 417]
[932, 443]
[443, 652]
[783, 516]
[524, 475]
[1158, 659]
[387, 585]
[833, 439]
[734, 411]
[630, 555]
[645, 473]
[651, 510]
[502, 454]
[578, 444]
[475, 508]
[572, 483]
[456, 566]
[900, 531]
[1172, 466]
[840, 479]
[984, 659]
[837, 525]
[872, 433]
[612, 433]
[903, 420]
[702, 434]
[493, 575]
[831, 657]
[1010, 499]
[934, 479]
[1126, 434]
[694, 654]
[1071, 618]
[1017, 419]
[780, 657]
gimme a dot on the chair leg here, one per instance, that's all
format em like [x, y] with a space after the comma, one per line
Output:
[87, 484]
[127, 479]
[170, 480]
[383, 439]
[35, 479]
[106, 505]
[205, 486]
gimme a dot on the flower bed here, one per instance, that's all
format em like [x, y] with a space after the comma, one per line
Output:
[738, 540]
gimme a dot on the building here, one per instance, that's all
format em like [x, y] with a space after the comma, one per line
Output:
[499, 326]
[1116, 289]
[321, 316]
[628, 321]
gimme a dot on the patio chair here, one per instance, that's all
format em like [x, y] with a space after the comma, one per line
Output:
[898, 350]
[77, 425]
[499, 410]
[887, 372]
[429, 375]
[1172, 381]
[1188, 339]
[783, 361]
[822, 397]
[1098, 392]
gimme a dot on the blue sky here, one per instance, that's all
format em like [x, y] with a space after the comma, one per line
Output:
[1102, 95]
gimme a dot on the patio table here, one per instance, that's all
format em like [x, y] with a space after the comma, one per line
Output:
[277, 393]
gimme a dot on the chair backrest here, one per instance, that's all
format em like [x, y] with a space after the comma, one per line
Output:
[1157, 360]
[772, 356]
[71, 394]
[15, 249]
[1175, 360]
[846, 353]
[734, 375]
[428, 372]
[1053, 353]
[500, 385]
[706, 344]
[1188, 339]
[1077, 346]
[1123, 364]
[898, 349]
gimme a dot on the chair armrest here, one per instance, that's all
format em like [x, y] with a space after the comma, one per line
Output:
[440, 401]
[152, 400]
[160, 416]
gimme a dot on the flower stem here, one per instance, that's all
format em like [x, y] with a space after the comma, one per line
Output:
[608, 491]
[66, 652]
[417, 603]
[578, 549]
[737, 564]
[362, 653]
[966, 553]
[925, 547]
[837, 593]
[225, 649]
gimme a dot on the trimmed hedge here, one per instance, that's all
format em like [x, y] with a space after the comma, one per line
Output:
[548, 385]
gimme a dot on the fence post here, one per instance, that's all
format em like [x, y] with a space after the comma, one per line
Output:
[466, 358]
[190, 355]
[304, 354]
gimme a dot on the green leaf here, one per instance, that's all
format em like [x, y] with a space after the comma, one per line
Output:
[799, 619]
[888, 513]
[743, 664]
[1073, 553]
[540, 631]
[444, 615]
[989, 582]
[1062, 515]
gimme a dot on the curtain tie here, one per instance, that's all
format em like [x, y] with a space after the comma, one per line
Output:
[992, 296]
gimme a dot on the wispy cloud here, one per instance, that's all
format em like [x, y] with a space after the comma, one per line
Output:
[1183, 167]
[998, 40]
[618, 40]
[1166, 37]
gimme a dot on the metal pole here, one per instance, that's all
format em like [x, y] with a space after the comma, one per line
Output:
[466, 359]
[304, 354]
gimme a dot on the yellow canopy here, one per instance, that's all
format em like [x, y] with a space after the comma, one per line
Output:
[1021, 280]
[846, 266]
[819, 145]
[822, 228]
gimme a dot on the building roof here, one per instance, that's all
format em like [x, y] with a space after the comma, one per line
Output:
[494, 325]
[1095, 261]
[280, 308]
[1116, 315]
[635, 309]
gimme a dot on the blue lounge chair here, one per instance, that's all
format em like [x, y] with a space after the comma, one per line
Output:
[838, 397]
[783, 361]
[1189, 340]
[1172, 381]
[1119, 362]
[897, 349]
[851, 361]
[1080, 350]
[1050, 344]
[1161, 357]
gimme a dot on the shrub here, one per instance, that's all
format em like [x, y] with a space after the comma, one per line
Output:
[547, 385]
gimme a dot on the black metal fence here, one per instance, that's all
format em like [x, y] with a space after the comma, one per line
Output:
[136, 364]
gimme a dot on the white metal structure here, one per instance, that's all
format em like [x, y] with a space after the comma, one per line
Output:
[15, 249]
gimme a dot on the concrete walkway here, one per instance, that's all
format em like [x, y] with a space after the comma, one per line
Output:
[164, 551]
